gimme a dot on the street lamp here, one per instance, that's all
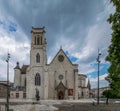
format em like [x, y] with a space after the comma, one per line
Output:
[98, 60]
[7, 105]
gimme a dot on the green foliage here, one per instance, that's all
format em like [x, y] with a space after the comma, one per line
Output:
[114, 50]
[110, 94]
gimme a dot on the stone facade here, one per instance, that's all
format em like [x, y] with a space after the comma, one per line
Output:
[3, 89]
[83, 90]
[58, 80]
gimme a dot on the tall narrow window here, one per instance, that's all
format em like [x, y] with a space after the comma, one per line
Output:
[37, 79]
[35, 40]
[38, 58]
[25, 82]
[38, 41]
[41, 40]
[24, 95]
[17, 95]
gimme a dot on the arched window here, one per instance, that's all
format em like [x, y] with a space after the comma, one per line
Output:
[38, 58]
[37, 79]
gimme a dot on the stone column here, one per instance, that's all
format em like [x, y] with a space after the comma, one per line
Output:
[55, 85]
[66, 82]
[76, 84]
[46, 82]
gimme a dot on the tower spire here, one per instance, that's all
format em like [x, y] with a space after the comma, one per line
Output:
[89, 85]
[17, 65]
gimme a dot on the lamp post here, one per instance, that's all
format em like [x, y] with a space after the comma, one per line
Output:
[7, 105]
[98, 60]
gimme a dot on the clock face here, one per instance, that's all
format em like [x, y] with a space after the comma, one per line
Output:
[61, 58]
[60, 77]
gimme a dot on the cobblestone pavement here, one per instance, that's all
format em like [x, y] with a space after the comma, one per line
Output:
[88, 107]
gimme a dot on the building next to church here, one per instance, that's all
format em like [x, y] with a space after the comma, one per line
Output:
[101, 90]
[57, 80]
[3, 89]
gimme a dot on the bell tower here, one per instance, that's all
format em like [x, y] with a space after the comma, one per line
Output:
[37, 74]
[38, 47]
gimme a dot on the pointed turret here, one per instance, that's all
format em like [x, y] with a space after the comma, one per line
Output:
[17, 66]
[89, 85]
[17, 75]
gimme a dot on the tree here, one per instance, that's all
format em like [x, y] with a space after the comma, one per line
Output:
[109, 94]
[114, 50]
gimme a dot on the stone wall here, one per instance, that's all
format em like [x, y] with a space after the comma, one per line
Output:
[3, 91]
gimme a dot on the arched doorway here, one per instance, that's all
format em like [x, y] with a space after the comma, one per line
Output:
[61, 95]
[61, 91]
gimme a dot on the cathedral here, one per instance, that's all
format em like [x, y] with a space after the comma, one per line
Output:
[58, 80]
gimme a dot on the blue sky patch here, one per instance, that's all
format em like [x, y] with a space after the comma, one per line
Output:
[87, 32]
[103, 70]
[12, 27]
[8, 25]
[72, 58]
[102, 83]
[2, 22]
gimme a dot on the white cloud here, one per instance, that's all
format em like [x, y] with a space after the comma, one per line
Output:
[102, 81]
[86, 68]
[102, 77]
[9, 41]
[81, 34]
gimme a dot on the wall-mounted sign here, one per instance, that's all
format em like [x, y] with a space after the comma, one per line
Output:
[70, 92]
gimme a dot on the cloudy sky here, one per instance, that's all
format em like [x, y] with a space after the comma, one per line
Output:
[79, 26]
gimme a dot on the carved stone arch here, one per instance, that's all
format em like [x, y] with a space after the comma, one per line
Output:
[61, 91]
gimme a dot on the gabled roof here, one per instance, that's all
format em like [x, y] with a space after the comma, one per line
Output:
[60, 85]
[5, 83]
[89, 85]
[24, 69]
[82, 75]
[61, 50]
[17, 67]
